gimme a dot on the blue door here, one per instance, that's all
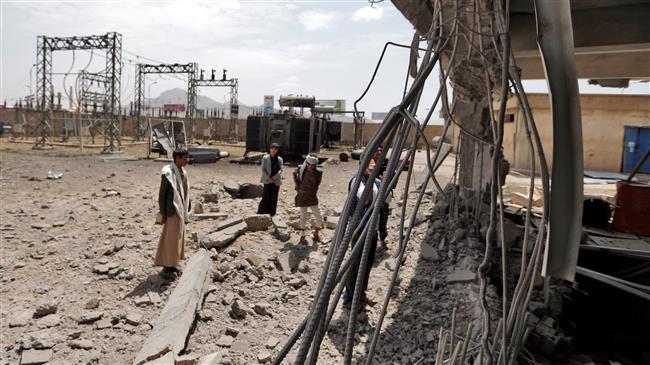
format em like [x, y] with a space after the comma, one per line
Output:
[636, 140]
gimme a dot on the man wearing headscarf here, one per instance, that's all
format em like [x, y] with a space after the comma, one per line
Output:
[174, 206]
[307, 178]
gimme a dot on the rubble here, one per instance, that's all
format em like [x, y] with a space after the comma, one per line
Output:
[258, 222]
[45, 308]
[81, 344]
[36, 357]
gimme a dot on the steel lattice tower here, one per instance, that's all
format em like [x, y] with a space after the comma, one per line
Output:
[45, 46]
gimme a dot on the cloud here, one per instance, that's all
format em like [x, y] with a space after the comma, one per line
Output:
[314, 20]
[289, 86]
[368, 14]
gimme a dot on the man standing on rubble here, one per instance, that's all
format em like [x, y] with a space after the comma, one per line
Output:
[307, 178]
[174, 205]
[385, 209]
[352, 278]
[271, 178]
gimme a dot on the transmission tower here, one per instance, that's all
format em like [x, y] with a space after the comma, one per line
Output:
[112, 43]
[144, 69]
[233, 84]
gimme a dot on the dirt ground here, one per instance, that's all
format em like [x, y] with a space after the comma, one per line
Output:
[59, 237]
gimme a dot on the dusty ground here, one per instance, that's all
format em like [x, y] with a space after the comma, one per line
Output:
[56, 235]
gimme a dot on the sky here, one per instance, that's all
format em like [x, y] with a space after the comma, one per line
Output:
[325, 48]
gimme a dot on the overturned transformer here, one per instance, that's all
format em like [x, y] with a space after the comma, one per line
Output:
[297, 134]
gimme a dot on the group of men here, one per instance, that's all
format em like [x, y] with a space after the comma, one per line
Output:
[174, 207]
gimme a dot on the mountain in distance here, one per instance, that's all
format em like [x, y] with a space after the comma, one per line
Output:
[179, 96]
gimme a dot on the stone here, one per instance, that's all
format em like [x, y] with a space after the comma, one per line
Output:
[198, 207]
[101, 269]
[211, 196]
[46, 308]
[459, 233]
[232, 188]
[337, 211]
[225, 341]
[51, 320]
[286, 261]
[142, 300]
[278, 222]
[92, 303]
[272, 342]
[41, 226]
[296, 283]
[103, 324]
[36, 357]
[44, 339]
[331, 222]
[250, 191]
[81, 344]
[258, 222]
[133, 318]
[461, 276]
[282, 234]
[255, 260]
[20, 319]
[264, 356]
[232, 331]
[90, 317]
[237, 310]
[262, 308]
[428, 252]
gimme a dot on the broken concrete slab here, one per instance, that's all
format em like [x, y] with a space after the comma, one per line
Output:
[286, 261]
[170, 331]
[331, 222]
[228, 223]
[103, 324]
[223, 238]
[209, 216]
[264, 356]
[214, 358]
[36, 357]
[90, 317]
[272, 342]
[461, 276]
[258, 222]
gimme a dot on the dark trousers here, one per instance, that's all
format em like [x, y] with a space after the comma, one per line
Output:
[383, 221]
[352, 278]
[269, 202]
